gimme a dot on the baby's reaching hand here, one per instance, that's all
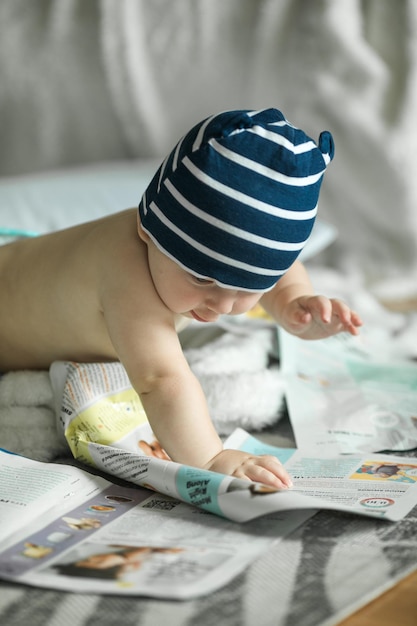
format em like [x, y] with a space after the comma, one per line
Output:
[318, 317]
[262, 469]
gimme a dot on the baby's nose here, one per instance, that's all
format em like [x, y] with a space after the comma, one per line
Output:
[222, 303]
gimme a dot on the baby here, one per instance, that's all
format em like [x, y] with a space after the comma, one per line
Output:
[218, 230]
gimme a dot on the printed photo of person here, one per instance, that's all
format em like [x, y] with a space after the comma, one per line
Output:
[111, 562]
[386, 471]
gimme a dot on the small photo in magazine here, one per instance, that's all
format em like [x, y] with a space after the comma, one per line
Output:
[130, 565]
[82, 523]
[377, 470]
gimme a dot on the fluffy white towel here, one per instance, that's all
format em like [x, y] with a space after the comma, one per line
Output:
[27, 416]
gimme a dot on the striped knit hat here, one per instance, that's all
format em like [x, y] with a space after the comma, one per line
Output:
[236, 199]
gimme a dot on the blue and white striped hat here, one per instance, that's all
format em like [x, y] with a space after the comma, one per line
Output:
[236, 199]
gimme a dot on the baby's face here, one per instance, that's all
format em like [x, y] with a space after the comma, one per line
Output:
[185, 294]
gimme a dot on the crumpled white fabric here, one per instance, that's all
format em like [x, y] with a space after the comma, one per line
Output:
[240, 387]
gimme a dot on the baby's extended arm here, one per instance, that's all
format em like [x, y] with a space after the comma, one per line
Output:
[293, 304]
[178, 412]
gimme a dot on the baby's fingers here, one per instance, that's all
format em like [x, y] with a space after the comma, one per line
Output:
[268, 470]
[350, 320]
[318, 308]
[356, 321]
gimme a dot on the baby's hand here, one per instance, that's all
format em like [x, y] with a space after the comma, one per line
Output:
[262, 469]
[318, 317]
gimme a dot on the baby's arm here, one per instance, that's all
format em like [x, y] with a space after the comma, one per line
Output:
[175, 403]
[293, 304]
[177, 410]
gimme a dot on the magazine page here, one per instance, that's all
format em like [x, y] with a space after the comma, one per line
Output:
[347, 395]
[29, 489]
[374, 484]
[123, 540]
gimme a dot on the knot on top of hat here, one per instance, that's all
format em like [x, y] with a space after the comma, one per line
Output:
[221, 126]
[241, 120]
[326, 145]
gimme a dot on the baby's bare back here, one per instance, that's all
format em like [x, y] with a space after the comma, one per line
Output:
[51, 291]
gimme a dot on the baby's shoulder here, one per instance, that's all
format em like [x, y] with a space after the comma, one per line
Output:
[114, 241]
[121, 259]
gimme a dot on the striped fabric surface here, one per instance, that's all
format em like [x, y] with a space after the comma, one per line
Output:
[236, 199]
[326, 569]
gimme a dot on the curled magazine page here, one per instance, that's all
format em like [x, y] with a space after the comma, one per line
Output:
[106, 427]
[95, 402]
